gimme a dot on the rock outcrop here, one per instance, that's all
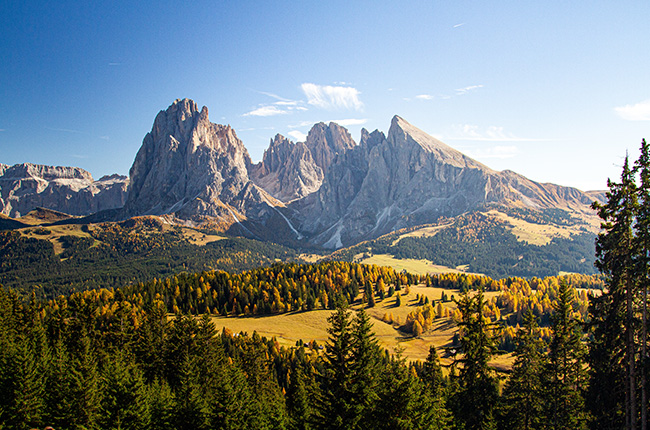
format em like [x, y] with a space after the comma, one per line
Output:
[287, 170]
[325, 142]
[290, 171]
[194, 170]
[24, 187]
[337, 193]
[410, 178]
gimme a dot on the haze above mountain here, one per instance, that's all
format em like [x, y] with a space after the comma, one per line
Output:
[326, 192]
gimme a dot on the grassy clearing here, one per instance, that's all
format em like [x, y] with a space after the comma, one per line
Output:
[428, 231]
[198, 238]
[536, 234]
[289, 328]
[55, 234]
[420, 267]
[310, 258]
[44, 216]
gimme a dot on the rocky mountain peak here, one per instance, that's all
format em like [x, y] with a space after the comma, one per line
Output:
[287, 170]
[402, 133]
[370, 140]
[325, 142]
[191, 168]
[277, 154]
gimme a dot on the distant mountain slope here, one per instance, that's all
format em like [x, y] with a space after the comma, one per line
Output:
[409, 178]
[493, 243]
[327, 192]
[72, 190]
[63, 258]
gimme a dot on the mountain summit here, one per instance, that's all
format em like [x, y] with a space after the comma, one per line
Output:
[409, 178]
[325, 192]
[194, 170]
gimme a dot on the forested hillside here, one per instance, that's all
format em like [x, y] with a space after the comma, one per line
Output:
[117, 254]
[482, 244]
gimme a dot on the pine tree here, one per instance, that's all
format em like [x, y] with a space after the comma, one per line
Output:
[192, 411]
[432, 373]
[475, 400]
[364, 370]
[28, 362]
[614, 313]
[162, 404]
[642, 167]
[406, 401]
[523, 397]
[334, 408]
[565, 376]
[124, 404]
[298, 399]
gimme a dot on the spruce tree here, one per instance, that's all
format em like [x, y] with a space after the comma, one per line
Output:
[475, 400]
[642, 167]
[125, 401]
[334, 407]
[565, 376]
[432, 373]
[523, 396]
[614, 325]
[364, 370]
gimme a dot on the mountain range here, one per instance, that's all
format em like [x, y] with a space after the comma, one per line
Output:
[327, 192]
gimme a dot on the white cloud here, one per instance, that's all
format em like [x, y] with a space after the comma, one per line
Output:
[297, 135]
[635, 112]
[303, 124]
[266, 111]
[274, 96]
[349, 121]
[459, 25]
[493, 152]
[286, 103]
[66, 130]
[424, 97]
[465, 90]
[329, 97]
[489, 134]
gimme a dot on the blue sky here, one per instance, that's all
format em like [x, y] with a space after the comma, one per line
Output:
[557, 91]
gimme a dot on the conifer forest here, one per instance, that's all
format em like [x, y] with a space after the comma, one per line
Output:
[149, 354]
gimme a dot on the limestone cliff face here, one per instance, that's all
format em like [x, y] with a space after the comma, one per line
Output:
[337, 193]
[410, 178]
[287, 170]
[325, 142]
[290, 171]
[24, 187]
[191, 168]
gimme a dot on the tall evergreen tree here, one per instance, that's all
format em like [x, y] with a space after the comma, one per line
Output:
[523, 396]
[334, 408]
[614, 323]
[364, 370]
[125, 401]
[406, 401]
[565, 377]
[642, 167]
[475, 400]
[432, 373]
